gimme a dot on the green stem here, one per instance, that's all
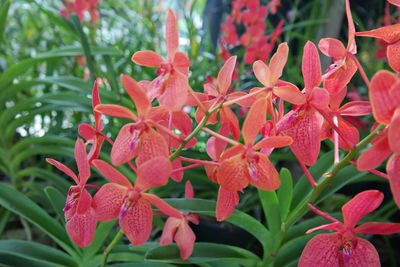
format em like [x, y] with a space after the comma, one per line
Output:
[196, 130]
[327, 178]
[110, 246]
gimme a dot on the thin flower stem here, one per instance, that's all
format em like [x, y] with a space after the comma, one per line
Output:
[164, 129]
[373, 171]
[220, 136]
[307, 173]
[336, 141]
[133, 168]
[201, 106]
[188, 167]
[196, 130]
[360, 68]
[110, 246]
[321, 213]
[327, 178]
[203, 162]
[235, 100]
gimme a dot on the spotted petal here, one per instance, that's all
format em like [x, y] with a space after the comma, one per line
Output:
[81, 229]
[226, 203]
[108, 200]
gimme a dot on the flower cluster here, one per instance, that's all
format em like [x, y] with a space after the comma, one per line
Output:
[251, 15]
[79, 7]
[160, 130]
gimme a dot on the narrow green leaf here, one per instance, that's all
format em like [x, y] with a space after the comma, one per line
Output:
[24, 253]
[102, 232]
[203, 253]
[270, 204]
[18, 203]
[285, 192]
[57, 200]
[3, 17]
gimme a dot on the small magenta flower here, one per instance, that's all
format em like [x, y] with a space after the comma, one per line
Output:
[344, 248]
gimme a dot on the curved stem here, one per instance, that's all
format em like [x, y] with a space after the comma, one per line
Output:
[327, 178]
[196, 130]
[360, 68]
[110, 246]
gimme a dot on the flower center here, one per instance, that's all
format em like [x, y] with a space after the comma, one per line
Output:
[130, 200]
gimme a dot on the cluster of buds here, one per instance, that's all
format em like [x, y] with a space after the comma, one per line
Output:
[160, 131]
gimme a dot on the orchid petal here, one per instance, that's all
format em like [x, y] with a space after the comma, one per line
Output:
[394, 132]
[137, 222]
[332, 48]
[290, 94]
[267, 176]
[278, 62]
[86, 131]
[176, 92]
[384, 95]
[137, 94]
[163, 206]
[335, 226]
[95, 102]
[171, 34]
[189, 192]
[147, 58]
[339, 79]
[82, 162]
[85, 202]
[356, 108]
[311, 66]
[361, 205]
[304, 126]
[126, 145]
[393, 171]
[152, 145]
[321, 250]
[378, 228]
[319, 98]
[363, 254]
[112, 174]
[351, 43]
[262, 72]
[168, 233]
[224, 77]
[153, 173]
[63, 168]
[115, 111]
[81, 229]
[254, 121]
[375, 155]
[228, 117]
[232, 174]
[226, 203]
[394, 2]
[390, 34]
[107, 202]
[177, 176]
[392, 52]
[274, 141]
[185, 239]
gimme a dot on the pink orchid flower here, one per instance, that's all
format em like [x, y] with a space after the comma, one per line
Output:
[344, 247]
[135, 140]
[79, 216]
[178, 229]
[93, 136]
[129, 203]
[171, 86]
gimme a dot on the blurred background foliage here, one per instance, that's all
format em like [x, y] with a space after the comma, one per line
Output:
[47, 68]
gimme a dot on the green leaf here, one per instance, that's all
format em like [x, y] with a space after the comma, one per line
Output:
[72, 51]
[57, 200]
[147, 264]
[24, 253]
[203, 253]
[3, 17]
[18, 203]
[285, 192]
[303, 187]
[102, 232]
[270, 204]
